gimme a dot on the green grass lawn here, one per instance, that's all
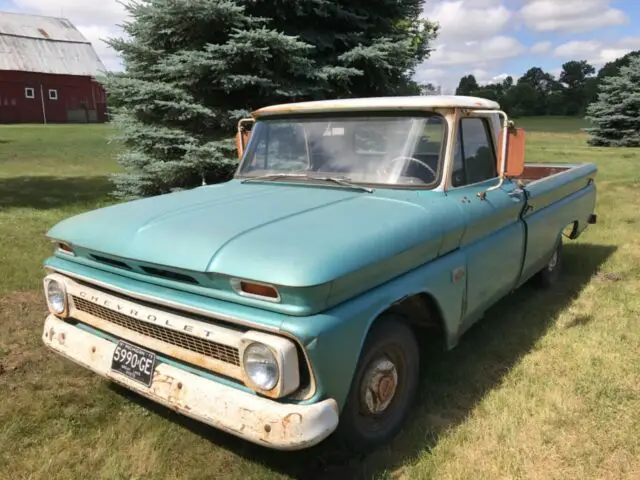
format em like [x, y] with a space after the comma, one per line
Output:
[547, 386]
[552, 124]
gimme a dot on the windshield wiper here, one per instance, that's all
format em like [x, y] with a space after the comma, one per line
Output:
[274, 176]
[343, 181]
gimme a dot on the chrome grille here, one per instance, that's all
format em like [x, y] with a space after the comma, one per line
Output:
[208, 348]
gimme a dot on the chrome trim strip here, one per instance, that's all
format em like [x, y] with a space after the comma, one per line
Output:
[168, 303]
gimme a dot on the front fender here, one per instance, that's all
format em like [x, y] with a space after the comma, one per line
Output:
[334, 338]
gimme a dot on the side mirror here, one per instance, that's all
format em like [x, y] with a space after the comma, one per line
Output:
[515, 152]
[243, 135]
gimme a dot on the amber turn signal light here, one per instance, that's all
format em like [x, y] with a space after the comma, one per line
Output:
[63, 247]
[258, 289]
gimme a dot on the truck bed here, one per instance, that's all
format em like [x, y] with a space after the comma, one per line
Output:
[538, 171]
[557, 196]
[548, 183]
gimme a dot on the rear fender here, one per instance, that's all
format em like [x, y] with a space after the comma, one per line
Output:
[545, 226]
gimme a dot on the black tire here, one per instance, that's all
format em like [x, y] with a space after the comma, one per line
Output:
[361, 428]
[551, 272]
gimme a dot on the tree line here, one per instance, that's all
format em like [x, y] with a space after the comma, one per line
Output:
[539, 93]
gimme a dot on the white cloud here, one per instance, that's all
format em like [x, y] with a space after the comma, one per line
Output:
[97, 36]
[571, 16]
[85, 12]
[468, 19]
[96, 20]
[609, 54]
[484, 77]
[484, 53]
[473, 38]
[595, 52]
[577, 49]
[430, 75]
[632, 43]
[498, 78]
[541, 47]
[556, 72]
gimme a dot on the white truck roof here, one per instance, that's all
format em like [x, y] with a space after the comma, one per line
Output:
[418, 102]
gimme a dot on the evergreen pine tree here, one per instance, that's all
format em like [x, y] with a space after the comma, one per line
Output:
[616, 112]
[193, 69]
[364, 48]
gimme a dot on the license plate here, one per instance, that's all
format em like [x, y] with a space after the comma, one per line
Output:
[134, 362]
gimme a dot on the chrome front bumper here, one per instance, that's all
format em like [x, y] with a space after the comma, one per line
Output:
[257, 419]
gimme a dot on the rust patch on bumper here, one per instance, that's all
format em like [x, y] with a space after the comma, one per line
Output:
[256, 419]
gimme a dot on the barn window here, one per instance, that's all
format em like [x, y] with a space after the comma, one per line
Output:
[53, 94]
[29, 93]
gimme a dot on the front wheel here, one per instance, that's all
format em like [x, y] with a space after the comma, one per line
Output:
[383, 388]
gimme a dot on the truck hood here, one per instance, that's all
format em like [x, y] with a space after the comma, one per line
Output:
[291, 235]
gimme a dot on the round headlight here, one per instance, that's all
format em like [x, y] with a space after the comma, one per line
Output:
[261, 366]
[56, 297]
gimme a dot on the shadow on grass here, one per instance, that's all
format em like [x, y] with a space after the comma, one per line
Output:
[453, 382]
[43, 193]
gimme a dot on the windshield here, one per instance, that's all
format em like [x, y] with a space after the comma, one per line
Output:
[392, 150]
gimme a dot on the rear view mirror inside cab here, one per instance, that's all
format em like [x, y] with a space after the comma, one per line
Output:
[515, 152]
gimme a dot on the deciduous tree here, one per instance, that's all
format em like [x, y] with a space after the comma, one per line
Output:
[468, 85]
[575, 75]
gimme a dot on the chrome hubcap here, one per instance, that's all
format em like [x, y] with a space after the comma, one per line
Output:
[553, 261]
[379, 385]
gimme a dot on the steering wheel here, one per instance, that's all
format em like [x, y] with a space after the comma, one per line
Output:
[382, 172]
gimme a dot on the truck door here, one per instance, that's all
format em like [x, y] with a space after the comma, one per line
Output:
[494, 238]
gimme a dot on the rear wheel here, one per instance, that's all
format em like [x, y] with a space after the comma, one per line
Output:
[383, 387]
[551, 272]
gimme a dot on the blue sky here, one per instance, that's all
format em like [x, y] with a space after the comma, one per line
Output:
[489, 38]
[496, 38]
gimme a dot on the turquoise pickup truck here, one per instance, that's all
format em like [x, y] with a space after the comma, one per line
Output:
[286, 305]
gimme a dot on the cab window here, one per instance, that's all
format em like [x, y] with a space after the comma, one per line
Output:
[474, 156]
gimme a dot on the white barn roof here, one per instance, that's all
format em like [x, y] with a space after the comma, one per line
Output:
[422, 102]
[33, 43]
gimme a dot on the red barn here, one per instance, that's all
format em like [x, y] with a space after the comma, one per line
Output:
[47, 72]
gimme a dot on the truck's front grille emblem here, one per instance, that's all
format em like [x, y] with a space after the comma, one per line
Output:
[202, 346]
